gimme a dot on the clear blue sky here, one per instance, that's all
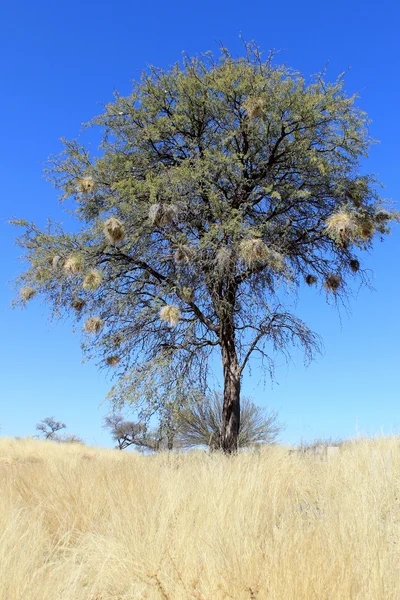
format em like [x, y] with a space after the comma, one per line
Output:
[60, 62]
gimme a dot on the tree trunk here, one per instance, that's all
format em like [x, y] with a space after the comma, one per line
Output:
[232, 379]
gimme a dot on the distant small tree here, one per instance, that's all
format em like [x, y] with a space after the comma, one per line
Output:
[130, 433]
[201, 422]
[49, 428]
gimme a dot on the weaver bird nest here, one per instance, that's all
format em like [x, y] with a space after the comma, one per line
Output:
[86, 185]
[254, 106]
[27, 293]
[92, 280]
[341, 227]
[310, 279]
[332, 283]
[170, 314]
[184, 254]
[113, 361]
[93, 325]
[74, 264]
[78, 303]
[113, 230]
[162, 214]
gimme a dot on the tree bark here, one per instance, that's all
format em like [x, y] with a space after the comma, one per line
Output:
[232, 379]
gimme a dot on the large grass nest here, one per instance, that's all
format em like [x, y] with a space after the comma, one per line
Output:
[113, 230]
[342, 228]
[56, 262]
[184, 254]
[92, 280]
[27, 293]
[163, 214]
[78, 304]
[93, 325]
[332, 282]
[223, 260]
[86, 185]
[354, 265]
[254, 106]
[113, 361]
[74, 264]
[170, 314]
[366, 230]
[310, 279]
[254, 252]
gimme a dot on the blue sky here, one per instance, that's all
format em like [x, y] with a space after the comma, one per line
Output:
[60, 63]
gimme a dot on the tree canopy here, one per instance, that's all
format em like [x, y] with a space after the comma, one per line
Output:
[219, 184]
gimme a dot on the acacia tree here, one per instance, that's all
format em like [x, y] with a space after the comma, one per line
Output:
[131, 433]
[200, 423]
[218, 185]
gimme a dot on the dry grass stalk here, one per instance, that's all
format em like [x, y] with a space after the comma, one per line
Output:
[341, 227]
[78, 304]
[27, 293]
[92, 280]
[254, 106]
[113, 361]
[310, 279]
[93, 325]
[79, 500]
[333, 282]
[170, 314]
[162, 214]
[86, 185]
[354, 265]
[74, 264]
[184, 254]
[114, 230]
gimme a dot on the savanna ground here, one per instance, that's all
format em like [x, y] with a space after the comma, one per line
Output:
[82, 523]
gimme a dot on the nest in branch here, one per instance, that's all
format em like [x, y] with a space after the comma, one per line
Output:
[86, 185]
[366, 230]
[113, 361]
[78, 304]
[170, 314]
[333, 282]
[93, 325]
[382, 215]
[113, 230]
[310, 279]
[187, 294]
[92, 280]
[162, 214]
[74, 264]
[341, 227]
[253, 251]
[354, 265]
[117, 340]
[184, 254]
[56, 262]
[223, 260]
[27, 293]
[254, 106]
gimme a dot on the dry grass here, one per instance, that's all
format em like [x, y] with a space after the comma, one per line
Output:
[80, 523]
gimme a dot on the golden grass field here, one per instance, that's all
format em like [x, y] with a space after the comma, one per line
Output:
[84, 523]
